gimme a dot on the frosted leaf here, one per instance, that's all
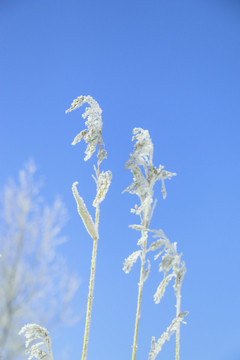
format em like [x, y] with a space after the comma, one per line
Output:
[128, 263]
[143, 149]
[93, 134]
[76, 103]
[142, 239]
[138, 227]
[102, 155]
[79, 137]
[179, 275]
[140, 185]
[164, 239]
[164, 192]
[157, 346]
[145, 174]
[135, 210]
[156, 245]
[147, 271]
[83, 212]
[162, 176]
[167, 262]
[161, 288]
[152, 209]
[158, 233]
[36, 352]
[40, 350]
[103, 183]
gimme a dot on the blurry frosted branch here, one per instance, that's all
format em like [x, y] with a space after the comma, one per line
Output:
[38, 350]
[92, 135]
[35, 284]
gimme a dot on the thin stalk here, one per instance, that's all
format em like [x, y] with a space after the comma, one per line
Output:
[140, 288]
[178, 327]
[91, 283]
[90, 300]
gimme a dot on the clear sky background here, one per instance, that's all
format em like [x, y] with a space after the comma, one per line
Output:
[171, 67]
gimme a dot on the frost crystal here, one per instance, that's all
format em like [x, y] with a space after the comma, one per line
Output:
[161, 288]
[128, 263]
[93, 134]
[103, 182]
[35, 332]
[83, 212]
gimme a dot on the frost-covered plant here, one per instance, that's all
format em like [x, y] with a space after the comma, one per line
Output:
[39, 350]
[145, 175]
[93, 137]
[173, 267]
[157, 346]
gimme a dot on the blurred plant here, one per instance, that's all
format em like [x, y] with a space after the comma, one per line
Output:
[145, 176]
[93, 137]
[35, 284]
[39, 350]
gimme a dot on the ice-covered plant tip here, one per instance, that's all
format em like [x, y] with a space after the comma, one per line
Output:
[93, 137]
[38, 350]
[145, 176]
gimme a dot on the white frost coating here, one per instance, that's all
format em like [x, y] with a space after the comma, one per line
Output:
[103, 183]
[144, 181]
[156, 245]
[161, 288]
[145, 175]
[157, 346]
[171, 260]
[179, 275]
[138, 227]
[83, 212]
[93, 134]
[128, 263]
[35, 332]
[146, 271]
[143, 149]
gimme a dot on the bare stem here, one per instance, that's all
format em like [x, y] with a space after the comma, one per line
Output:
[91, 282]
[90, 300]
[140, 288]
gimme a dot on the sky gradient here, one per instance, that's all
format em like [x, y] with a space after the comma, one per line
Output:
[171, 67]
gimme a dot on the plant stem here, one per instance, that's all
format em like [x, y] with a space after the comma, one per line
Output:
[140, 288]
[91, 283]
[90, 299]
[178, 326]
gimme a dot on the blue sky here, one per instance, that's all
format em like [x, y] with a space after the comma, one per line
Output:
[171, 67]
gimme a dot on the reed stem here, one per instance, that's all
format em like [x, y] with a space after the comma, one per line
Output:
[178, 327]
[91, 282]
[140, 288]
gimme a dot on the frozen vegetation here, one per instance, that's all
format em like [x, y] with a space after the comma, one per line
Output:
[171, 265]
